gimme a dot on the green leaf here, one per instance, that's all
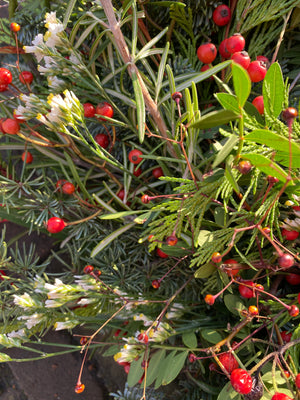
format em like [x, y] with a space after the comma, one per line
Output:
[111, 351]
[155, 362]
[234, 303]
[228, 101]
[205, 271]
[230, 177]
[241, 83]
[4, 358]
[211, 335]
[120, 214]
[173, 367]
[226, 149]
[135, 372]
[228, 393]
[268, 377]
[274, 141]
[100, 246]
[266, 165]
[68, 12]
[204, 237]
[140, 106]
[215, 118]
[161, 70]
[190, 339]
[273, 90]
[144, 50]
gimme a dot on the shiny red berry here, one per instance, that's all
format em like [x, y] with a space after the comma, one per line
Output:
[207, 52]
[89, 110]
[209, 299]
[297, 381]
[5, 76]
[10, 126]
[281, 396]
[157, 172]
[14, 27]
[55, 225]
[229, 362]
[221, 15]
[294, 311]
[257, 71]
[267, 230]
[245, 291]
[59, 183]
[177, 96]
[242, 58]
[171, 240]
[258, 103]
[83, 340]
[235, 43]
[244, 167]
[68, 188]
[155, 284]
[26, 77]
[289, 235]
[286, 336]
[293, 279]
[223, 49]
[79, 388]
[102, 140]
[160, 253]
[253, 310]
[134, 156]
[216, 257]
[88, 269]
[137, 171]
[264, 59]
[241, 381]
[229, 268]
[3, 88]
[27, 157]
[286, 261]
[145, 199]
[105, 109]
[289, 113]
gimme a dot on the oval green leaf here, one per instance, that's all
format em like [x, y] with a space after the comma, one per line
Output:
[273, 90]
[241, 83]
[266, 165]
[215, 118]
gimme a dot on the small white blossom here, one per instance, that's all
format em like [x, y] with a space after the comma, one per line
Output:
[37, 48]
[128, 353]
[20, 334]
[67, 324]
[32, 320]
[142, 317]
[25, 301]
[176, 311]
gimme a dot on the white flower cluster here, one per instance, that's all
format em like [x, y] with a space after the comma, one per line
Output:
[33, 105]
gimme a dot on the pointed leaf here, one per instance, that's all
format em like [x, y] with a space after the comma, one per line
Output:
[205, 271]
[140, 106]
[226, 149]
[173, 367]
[228, 101]
[161, 70]
[231, 179]
[273, 90]
[135, 372]
[241, 83]
[215, 118]
[100, 246]
[234, 303]
[211, 335]
[153, 369]
[266, 165]
[190, 340]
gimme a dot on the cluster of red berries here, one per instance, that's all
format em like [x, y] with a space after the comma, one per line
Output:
[25, 77]
[65, 186]
[103, 110]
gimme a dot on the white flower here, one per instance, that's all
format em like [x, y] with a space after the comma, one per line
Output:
[160, 333]
[142, 317]
[86, 282]
[20, 334]
[25, 301]
[36, 49]
[50, 18]
[67, 324]
[176, 311]
[85, 301]
[54, 28]
[32, 320]
[128, 353]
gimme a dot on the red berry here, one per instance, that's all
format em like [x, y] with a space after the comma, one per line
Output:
[102, 140]
[126, 368]
[229, 362]
[216, 257]
[281, 396]
[88, 269]
[155, 284]
[267, 230]
[258, 103]
[286, 336]
[297, 381]
[104, 109]
[171, 240]
[241, 381]
[83, 340]
[207, 52]
[68, 188]
[134, 156]
[223, 49]
[286, 373]
[27, 157]
[10, 126]
[145, 199]
[192, 358]
[221, 15]
[235, 43]
[3, 88]
[59, 183]
[264, 59]
[272, 180]
[157, 172]
[244, 167]
[137, 171]
[298, 298]
[253, 310]
[143, 337]
[289, 113]
[242, 58]
[257, 71]
[160, 253]
[121, 194]
[26, 77]
[209, 299]
[5, 76]
[55, 225]
[245, 291]
[79, 388]
[294, 311]
[176, 96]
[293, 279]
[289, 235]
[14, 27]
[89, 110]
[229, 270]
[286, 261]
